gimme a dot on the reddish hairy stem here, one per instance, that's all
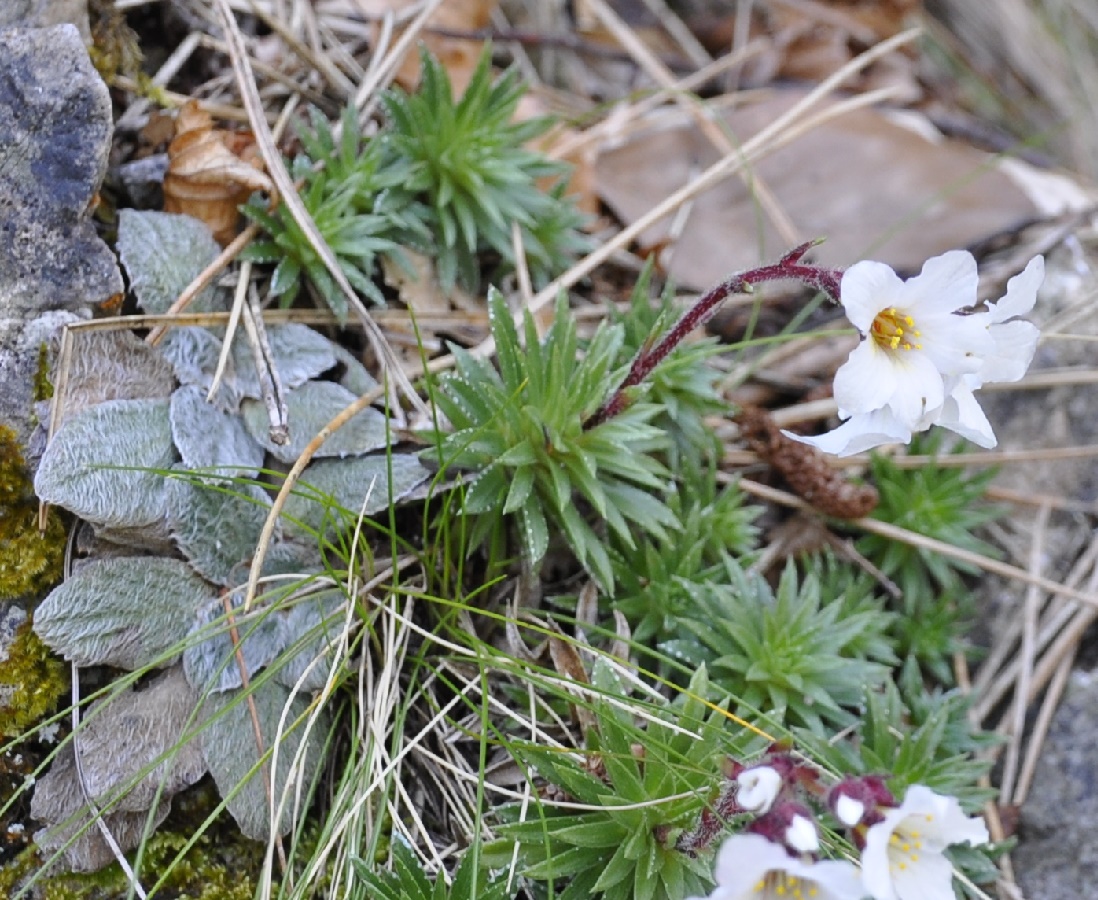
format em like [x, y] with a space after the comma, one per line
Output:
[788, 267]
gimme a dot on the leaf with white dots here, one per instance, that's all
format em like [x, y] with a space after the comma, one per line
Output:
[97, 464]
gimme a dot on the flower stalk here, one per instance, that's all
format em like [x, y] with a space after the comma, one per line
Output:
[789, 267]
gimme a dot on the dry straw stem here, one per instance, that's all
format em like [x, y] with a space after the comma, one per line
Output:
[785, 128]
[1027, 654]
[656, 70]
[894, 533]
[277, 170]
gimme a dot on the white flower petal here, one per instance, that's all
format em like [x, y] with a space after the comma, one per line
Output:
[946, 283]
[946, 823]
[1014, 346]
[931, 878]
[801, 835]
[867, 288]
[866, 380]
[955, 344]
[758, 788]
[1021, 293]
[849, 811]
[919, 389]
[745, 860]
[962, 414]
[858, 434]
[902, 858]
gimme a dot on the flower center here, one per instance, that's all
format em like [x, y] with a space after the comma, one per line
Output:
[904, 848]
[895, 331]
[786, 886]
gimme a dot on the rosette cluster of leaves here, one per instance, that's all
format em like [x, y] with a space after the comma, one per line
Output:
[350, 195]
[786, 652]
[442, 177]
[917, 736]
[942, 502]
[406, 880]
[623, 845]
[521, 430]
[654, 579]
[470, 164]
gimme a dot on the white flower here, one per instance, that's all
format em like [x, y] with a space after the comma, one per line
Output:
[920, 360]
[758, 788]
[749, 867]
[903, 859]
[849, 811]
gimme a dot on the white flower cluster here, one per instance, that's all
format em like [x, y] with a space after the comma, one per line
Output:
[922, 356]
[902, 858]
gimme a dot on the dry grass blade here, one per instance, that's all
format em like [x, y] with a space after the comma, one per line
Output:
[289, 196]
[918, 540]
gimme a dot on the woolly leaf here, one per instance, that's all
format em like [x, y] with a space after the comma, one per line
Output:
[81, 469]
[354, 377]
[216, 526]
[212, 659]
[113, 365]
[315, 624]
[120, 737]
[125, 611]
[208, 438]
[163, 253]
[359, 485]
[229, 745]
[308, 409]
[298, 353]
[193, 353]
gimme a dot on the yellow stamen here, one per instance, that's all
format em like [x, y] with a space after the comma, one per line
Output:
[889, 332]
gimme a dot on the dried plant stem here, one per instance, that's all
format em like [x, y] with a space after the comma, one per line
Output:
[884, 529]
[788, 267]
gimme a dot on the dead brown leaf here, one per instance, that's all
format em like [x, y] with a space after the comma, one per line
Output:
[871, 186]
[458, 54]
[211, 172]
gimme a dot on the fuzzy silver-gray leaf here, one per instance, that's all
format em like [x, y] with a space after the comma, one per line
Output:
[217, 526]
[232, 755]
[126, 611]
[210, 439]
[81, 469]
[358, 485]
[163, 253]
[308, 409]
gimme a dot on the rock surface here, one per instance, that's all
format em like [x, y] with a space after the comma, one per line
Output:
[55, 131]
[1057, 856]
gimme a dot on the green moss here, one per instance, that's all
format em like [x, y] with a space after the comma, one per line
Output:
[43, 387]
[205, 872]
[32, 680]
[30, 561]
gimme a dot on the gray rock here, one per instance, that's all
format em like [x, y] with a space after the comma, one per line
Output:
[1058, 856]
[44, 13]
[55, 132]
